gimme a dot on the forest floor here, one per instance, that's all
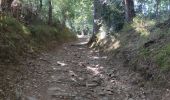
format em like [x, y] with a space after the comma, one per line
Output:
[76, 72]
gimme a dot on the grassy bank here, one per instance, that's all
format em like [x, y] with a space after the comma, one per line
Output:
[17, 39]
[143, 46]
[19, 42]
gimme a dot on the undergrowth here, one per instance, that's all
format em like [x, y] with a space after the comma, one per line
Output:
[143, 44]
[163, 58]
[16, 39]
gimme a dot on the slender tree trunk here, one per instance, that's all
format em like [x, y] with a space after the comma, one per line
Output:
[50, 12]
[94, 15]
[169, 7]
[97, 18]
[9, 4]
[41, 5]
[129, 10]
[97, 15]
[157, 8]
[0, 6]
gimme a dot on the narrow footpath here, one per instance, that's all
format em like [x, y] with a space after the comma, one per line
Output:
[75, 72]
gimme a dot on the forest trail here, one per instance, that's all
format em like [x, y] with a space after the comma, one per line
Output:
[76, 72]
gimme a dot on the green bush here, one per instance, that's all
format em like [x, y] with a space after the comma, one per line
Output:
[43, 33]
[10, 24]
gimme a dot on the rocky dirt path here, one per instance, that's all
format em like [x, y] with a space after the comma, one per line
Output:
[76, 72]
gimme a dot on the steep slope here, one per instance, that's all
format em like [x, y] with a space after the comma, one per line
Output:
[142, 46]
[19, 42]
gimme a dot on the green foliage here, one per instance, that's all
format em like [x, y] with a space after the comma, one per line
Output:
[142, 26]
[145, 52]
[163, 58]
[44, 33]
[127, 27]
[8, 24]
[76, 14]
[16, 39]
[113, 16]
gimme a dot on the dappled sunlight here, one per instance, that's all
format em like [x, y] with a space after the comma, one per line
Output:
[97, 57]
[25, 30]
[104, 57]
[104, 41]
[115, 43]
[102, 33]
[142, 26]
[94, 57]
[80, 48]
[95, 71]
[84, 49]
[93, 51]
[143, 32]
[114, 46]
[61, 63]
[84, 41]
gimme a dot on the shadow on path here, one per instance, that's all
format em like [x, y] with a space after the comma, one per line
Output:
[76, 72]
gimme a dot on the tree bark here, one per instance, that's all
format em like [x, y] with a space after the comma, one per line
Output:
[0, 6]
[157, 8]
[97, 18]
[41, 5]
[97, 15]
[50, 12]
[129, 10]
[9, 2]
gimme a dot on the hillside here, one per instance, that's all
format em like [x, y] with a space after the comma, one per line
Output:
[142, 46]
[84, 49]
[18, 39]
[19, 42]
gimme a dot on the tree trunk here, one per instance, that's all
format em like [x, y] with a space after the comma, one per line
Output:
[157, 8]
[41, 5]
[97, 15]
[169, 7]
[129, 10]
[0, 6]
[97, 18]
[9, 4]
[50, 12]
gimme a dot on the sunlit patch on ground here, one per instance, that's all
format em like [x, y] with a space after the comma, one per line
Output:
[61, 63]
[93, 51]
[97, 57]
[80, 48]
[114, 45]
[95, 71]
